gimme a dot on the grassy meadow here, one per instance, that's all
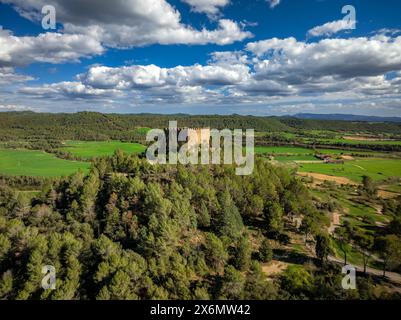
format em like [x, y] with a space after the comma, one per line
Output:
[376, 168]
[22, 162]
[90, 149]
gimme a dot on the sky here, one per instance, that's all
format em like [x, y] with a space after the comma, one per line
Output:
[250, 57]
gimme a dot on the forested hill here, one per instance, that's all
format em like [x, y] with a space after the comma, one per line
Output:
[90, 125]
[346, 117]
[97, 126]
[158, 233]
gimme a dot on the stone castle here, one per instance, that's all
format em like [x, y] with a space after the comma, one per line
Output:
[195, 136]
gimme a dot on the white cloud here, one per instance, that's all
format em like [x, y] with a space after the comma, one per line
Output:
[329, 28]
[273, 3]
[150, 80]
[210, 7]
[13, 107]
[8, 76]
[46, 47]
[388, 32]
[154, 76]
[345, 58]
[131, 23]
[121, 36]
[269, 72]
[68, 89]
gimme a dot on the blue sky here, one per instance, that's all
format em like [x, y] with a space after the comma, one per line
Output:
[202, 56]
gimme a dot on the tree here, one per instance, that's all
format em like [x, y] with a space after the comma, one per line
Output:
[313, 223]
[23, 206]
[395, 226]
[322, 247]
[215, 254]
[343, 239]
[256, 285]
[369, 186]
[230, 222]
[389, 249]
[255, 207]
[203, 216]
[243, 254]
[274, 217]
[398, 210]
[365, 242]
[232, 284]
[6, 284]
[307, 226]
[118, 289]
[88, 197]
[265, 251]
[5, 246]
[296, 280]
[201, 293]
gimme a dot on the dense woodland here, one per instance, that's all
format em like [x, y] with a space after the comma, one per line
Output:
[129, 230]
[97, 126]
[41, 131]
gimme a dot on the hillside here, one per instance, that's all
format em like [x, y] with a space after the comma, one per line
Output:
[98, 126]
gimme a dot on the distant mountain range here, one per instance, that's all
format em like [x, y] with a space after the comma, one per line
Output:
[346, 117]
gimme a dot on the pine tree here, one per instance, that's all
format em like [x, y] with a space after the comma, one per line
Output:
[243, 254]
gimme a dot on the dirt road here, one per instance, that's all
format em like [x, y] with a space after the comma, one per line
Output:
[392, 276]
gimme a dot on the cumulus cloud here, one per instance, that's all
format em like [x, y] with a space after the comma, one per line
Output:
[346, 58]
[266, 72]
[13, 107]
[273, 3]
[75, 90]
[8, 75]
[120, 36]
[210, 7]
[286, 74]
[131, 23]
[154, 76]
[150, 83]
[388, 31]
[46, 47]
[329, 28]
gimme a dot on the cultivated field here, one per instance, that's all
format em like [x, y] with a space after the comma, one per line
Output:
[37, 163]
[376, 168]
[90, 149]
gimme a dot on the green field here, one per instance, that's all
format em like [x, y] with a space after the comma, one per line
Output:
[305, 157]
[37, 163]
[289, 153]
[354, 142]
[90, 149]
[377, 169]
[289, 150]
[283, 150]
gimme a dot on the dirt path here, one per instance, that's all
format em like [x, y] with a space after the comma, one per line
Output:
[364, 138]
[387, 194]
[350, 158]
[323, 177]
[274, 267]
[393, 276]
[308, 161]
[335, 222]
